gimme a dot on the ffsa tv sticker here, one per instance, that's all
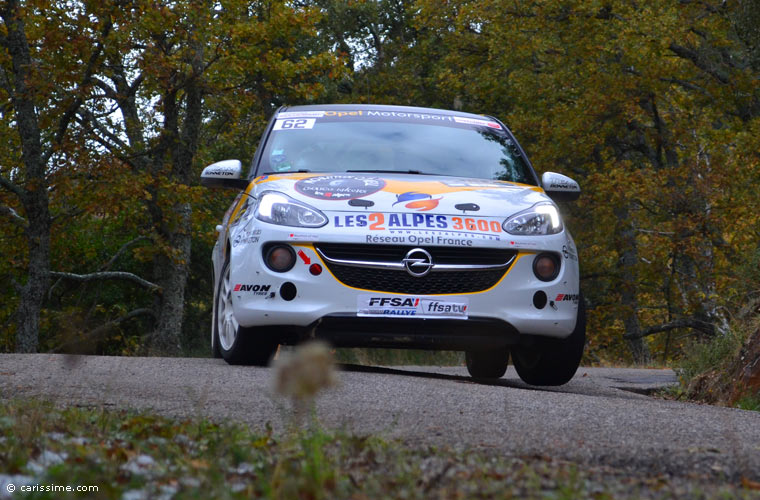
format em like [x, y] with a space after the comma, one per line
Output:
[339, 187]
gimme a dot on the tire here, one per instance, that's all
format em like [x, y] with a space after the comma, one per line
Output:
[238, 345]
[552, 361]
[487, 364]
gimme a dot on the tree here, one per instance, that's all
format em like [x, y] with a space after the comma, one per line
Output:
[648, 105]
[115, 109]
[44, 89]
[181, 73]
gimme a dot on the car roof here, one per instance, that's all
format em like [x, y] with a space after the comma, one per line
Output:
[379, 107]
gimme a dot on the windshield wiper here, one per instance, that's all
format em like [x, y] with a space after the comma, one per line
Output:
[378, 171]
[302, 171]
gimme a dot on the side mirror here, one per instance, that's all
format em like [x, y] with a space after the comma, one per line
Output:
[560, 187]
[224, 174]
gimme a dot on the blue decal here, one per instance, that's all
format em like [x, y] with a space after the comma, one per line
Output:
[411, 196]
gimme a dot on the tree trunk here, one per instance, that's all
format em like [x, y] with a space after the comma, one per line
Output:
[34, 193]
[171, 273]
[173, 270]
[628, 252]
[33, 292]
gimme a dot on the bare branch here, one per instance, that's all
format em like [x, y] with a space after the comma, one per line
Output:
[122, 250]
[129, 315]
[5, 81]
[687, 85]
[699, 62]
[107, 275]
[108, 91]
[652, 231]
[692, 323]
[15, 217]
[71, 110]
[10, 186]
[108, 138]
[105, 326]
[72, 212]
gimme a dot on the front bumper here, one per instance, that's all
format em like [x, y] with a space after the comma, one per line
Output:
[326, 306]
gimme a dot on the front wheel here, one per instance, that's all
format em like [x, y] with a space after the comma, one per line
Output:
[552, 361]
[238, 345]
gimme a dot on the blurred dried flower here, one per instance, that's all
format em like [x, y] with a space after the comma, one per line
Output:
[302, 374]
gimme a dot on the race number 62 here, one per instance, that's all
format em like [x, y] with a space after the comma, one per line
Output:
[294, 124]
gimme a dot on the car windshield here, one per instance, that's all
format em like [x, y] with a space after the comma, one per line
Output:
[341, 145]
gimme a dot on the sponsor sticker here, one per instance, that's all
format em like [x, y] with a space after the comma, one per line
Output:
[300, 114]
[567, 297]
[303, 237]
[410, 306]
[246, 237]
[408, 116]
[341, 114]
[475, 121]
[569, 252]
[417, 201]
[252, 289]
[421, 239]
[380, 221]
[339, 187]
[219, 172]
[294, 124]
[561, 185]
[478, 184]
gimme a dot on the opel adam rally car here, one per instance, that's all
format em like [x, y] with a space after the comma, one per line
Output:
[397, 227]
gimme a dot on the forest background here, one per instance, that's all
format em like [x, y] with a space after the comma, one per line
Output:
[109, 111]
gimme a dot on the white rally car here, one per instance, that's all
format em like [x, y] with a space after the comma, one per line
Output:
[397, 227]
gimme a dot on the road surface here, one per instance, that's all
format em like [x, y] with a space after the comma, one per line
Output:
[602, 417]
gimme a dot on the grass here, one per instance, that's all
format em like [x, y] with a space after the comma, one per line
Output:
[749, 403]
[703, 357]
[707, 367]
[139, 455]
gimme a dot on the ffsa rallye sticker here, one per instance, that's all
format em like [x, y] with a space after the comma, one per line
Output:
[410, 306]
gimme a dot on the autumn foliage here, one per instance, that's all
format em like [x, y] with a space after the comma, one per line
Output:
[654, 107]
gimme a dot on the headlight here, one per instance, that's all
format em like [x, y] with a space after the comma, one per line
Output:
[278, 208]
[539, 219]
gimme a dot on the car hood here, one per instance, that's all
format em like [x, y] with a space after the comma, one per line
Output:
[404, 193]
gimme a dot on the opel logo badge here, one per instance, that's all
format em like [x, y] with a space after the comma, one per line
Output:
[418, 262]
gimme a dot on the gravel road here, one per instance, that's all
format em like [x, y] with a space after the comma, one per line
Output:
[591, 420]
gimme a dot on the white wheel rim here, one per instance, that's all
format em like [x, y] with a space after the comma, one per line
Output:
[227, 325]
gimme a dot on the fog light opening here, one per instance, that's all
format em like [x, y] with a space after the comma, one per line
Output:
[546, 266]
[539, 299]
[288, 291]
[280, 258]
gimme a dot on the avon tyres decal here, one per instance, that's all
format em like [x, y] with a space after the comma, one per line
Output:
[378, 221]
[418, 307]
[253, 289]
[567, 297]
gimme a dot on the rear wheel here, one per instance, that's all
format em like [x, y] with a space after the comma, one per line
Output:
[238, 345]
[487, 364]
[552, 361]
